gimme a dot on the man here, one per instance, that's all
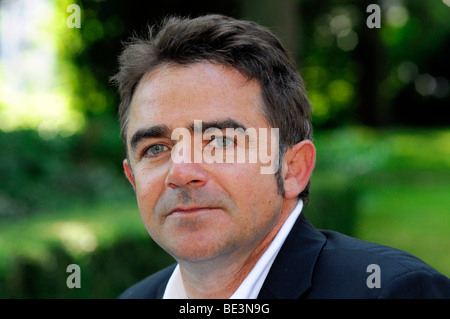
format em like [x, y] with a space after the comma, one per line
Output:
[199, 101]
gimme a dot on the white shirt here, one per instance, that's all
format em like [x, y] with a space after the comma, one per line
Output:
[250, 287]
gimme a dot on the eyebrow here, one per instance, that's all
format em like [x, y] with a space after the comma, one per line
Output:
[163, 131]
[221, 125]
[157, 131]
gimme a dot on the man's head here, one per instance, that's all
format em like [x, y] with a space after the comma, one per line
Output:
[244, 45]
[217, 70]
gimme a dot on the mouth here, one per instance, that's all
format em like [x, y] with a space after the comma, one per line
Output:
[184, 211]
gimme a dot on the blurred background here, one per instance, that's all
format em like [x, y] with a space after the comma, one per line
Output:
[380, 97]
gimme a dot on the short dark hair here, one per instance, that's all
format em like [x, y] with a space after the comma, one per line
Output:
[244, 45]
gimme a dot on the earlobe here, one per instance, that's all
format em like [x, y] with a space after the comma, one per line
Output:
[128, 172]
[299, 161]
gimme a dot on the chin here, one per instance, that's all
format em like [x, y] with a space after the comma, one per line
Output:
[198, 248]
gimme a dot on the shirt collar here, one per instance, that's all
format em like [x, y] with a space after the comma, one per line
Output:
[250, 287]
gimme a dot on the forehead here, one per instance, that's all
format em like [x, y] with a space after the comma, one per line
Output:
[177, 95]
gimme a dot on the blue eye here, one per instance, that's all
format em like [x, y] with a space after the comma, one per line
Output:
[222, 141]
[156, 149]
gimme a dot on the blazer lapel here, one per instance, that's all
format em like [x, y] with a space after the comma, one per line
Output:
[162, 286]
[291, 273]
[161, 290]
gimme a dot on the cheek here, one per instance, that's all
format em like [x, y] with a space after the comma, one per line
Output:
[259, 203]
[148, 189]
[248, 186]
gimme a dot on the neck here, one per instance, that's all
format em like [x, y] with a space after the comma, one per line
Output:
[219, 277]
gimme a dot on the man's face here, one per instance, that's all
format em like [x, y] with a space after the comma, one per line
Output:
[198, 210]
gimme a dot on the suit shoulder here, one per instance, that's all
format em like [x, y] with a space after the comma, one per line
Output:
[347, 264]
[361, 252]
[151, 287]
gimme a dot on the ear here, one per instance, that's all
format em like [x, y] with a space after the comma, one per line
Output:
[298, 164]
[129, 172]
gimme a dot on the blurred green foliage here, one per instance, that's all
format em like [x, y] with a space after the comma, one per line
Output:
[397, 74]
[39, 174]
[107, 241]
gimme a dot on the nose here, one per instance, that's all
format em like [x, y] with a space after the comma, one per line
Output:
[183, 174]
[185, 171]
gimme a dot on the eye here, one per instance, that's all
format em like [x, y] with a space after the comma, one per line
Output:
[222, 141]
[156, 149]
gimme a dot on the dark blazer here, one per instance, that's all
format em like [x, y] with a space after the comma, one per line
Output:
[326, 264]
